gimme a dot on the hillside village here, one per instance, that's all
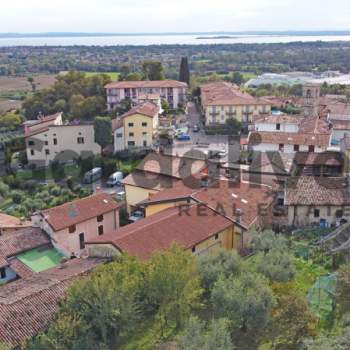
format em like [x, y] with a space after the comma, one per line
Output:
[210, 172]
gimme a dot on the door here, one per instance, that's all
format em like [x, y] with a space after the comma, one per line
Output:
[82, 241]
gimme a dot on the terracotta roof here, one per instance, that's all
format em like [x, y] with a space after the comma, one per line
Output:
[228, 197]
[316, 159]
[41, 120]
[309, 190]
[314, 125]
[20, 269]
[28, 305]
[146, 84]
[21, 241]
[157, 232]
[149, 180]
[340, 122]
[176, 167]
[226, 94]
[147, 109]
[80, 210]
[256, 138]
[272, 162]
[8, 221]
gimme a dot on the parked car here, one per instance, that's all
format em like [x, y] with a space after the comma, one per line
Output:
[183, 137]
[196, 128]
[115, 179]
[120, 195]
[92, 175]
[136, 216]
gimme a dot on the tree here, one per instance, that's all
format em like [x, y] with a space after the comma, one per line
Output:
[165, 106]
[184, 71]
[195, 336]
[135, 76]
[267, 240]
[342, 290]
[237, 78]
[103, 131]
[233, 126]
[173, 285]
[292, 320]
[10, 120]
[152, 70]
[247, 302]
[211, 267]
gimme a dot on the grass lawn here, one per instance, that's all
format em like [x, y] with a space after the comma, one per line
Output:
[113, 75]
[127, 166]
[46, 174]
[40, 259]
[248, 75]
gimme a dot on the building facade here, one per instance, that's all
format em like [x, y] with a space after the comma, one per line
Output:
[54, 141]
[172, 91]
[221, 101]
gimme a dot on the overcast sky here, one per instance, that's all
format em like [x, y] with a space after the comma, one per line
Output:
[172, 15]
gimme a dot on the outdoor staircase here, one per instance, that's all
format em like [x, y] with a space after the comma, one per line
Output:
[338, 240]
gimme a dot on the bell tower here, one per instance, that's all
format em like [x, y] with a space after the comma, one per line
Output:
[311, 95]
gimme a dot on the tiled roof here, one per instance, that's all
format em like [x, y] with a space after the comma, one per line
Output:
[20, 269]
[146, 84]
[177, 167]
[21, 241]
[272, 163]
[326, 158]
[288, 138]
[147, 109]
[80, 210]
[228, 197]
[28, 305]
[116, 124]
[309, 190]
[157, 232]
[226, 94]
[8, 221]
[149, 180]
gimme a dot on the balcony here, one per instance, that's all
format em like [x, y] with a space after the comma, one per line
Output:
[214, 114]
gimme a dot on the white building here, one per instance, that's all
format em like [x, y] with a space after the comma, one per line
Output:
[277, 123]
[48, 140]
[174, 92]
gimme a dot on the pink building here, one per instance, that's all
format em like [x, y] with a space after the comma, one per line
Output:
[71, 224]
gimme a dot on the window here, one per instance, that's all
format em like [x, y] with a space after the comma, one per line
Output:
[216, 237]
[100, 230]
[193, 249]
[131, 134]
[311, 148]
[100, 218]
[144, 124]
[339, 214]
[3, 272]
[144, 143]
[47, 152]
[316, 213]
[55, 141]
[82, 241]
[144, 134]
[281, 147]
[46, 143]
[81, 140]
[131, 143]
[32, 152]
[120, 135]
[31, 143]
[296, 148]
[278, 126]
[131, 125]
[72, 229]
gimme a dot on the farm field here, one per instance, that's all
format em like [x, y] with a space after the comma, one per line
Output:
[113, 75]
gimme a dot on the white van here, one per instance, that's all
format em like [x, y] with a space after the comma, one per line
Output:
[115, 179]
[92, 175]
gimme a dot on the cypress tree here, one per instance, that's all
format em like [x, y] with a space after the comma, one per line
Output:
[184, 70]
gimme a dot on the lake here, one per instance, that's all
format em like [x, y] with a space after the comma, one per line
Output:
[189, 39]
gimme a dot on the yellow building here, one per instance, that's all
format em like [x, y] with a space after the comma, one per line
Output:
[136, 128]
[221, 101]
[196, 228]
[156, 173]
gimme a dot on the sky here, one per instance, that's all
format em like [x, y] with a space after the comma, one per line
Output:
[135, 16]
